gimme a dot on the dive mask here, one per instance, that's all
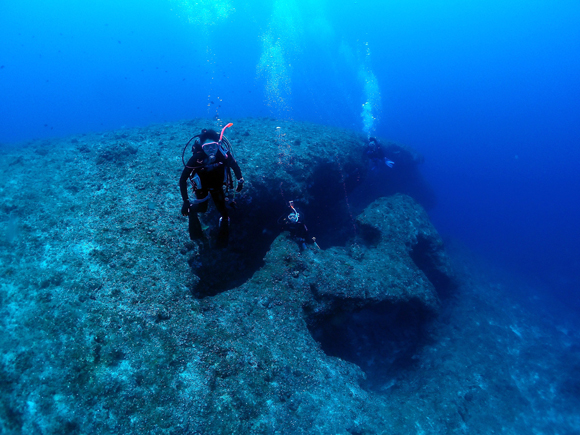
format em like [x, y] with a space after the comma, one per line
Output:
[210, 148]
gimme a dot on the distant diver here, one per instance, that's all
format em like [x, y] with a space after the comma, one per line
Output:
[376, 154]
[208, 170]
[294, 223]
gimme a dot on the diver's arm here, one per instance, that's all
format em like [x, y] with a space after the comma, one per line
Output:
[184, 177]
[237, 172]
[234, 165]
[183, 183]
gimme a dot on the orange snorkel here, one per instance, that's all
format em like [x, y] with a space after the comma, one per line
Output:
[224, 129]
[294, 216]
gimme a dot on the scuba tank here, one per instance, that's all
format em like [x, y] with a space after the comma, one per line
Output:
[222, 145]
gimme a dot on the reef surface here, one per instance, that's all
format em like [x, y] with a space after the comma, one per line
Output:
[113, 321]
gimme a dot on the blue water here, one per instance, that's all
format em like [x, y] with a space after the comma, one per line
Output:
[488, 91]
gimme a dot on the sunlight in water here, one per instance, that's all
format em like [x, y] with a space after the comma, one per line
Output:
[359, 62]
[292, 25]
[204, 12]
[278, 45]
[273, 68]
[372, 106]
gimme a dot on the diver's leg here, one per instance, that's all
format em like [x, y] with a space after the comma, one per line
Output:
[219, 199]
[195, 231]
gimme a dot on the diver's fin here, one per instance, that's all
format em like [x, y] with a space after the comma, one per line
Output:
[223, 234]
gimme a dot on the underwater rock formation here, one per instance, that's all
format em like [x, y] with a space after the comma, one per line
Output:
[373, 299]
[314, 166]
[103, 327]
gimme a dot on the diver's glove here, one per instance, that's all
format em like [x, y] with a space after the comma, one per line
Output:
[389, 163]
[240, 185]
[185, 208]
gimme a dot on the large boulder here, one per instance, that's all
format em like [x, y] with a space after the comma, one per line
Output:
[373, 299]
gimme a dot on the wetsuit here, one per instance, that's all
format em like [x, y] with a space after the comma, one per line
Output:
[375, 151]
[297, 228]
[376, 154]
[211, 173]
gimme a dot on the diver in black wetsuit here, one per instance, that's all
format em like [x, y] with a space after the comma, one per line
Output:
[294, 223]
[376, 154]
[208, 170]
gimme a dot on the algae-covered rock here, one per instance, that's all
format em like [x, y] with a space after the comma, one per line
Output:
[379, 285]
[398, 249]
[103, 330]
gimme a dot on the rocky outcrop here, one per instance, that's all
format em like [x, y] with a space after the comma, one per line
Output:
[104, 327]
[373, 299]
[383, 265]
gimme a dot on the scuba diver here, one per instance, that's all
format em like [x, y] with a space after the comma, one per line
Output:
[294, 223]
[376, 154]
[208, 170]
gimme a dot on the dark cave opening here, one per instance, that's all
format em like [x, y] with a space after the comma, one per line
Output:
[330, 218]
[382, 339]
[405, 179]
[255, 225]
[220, 270]
[251, 235]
